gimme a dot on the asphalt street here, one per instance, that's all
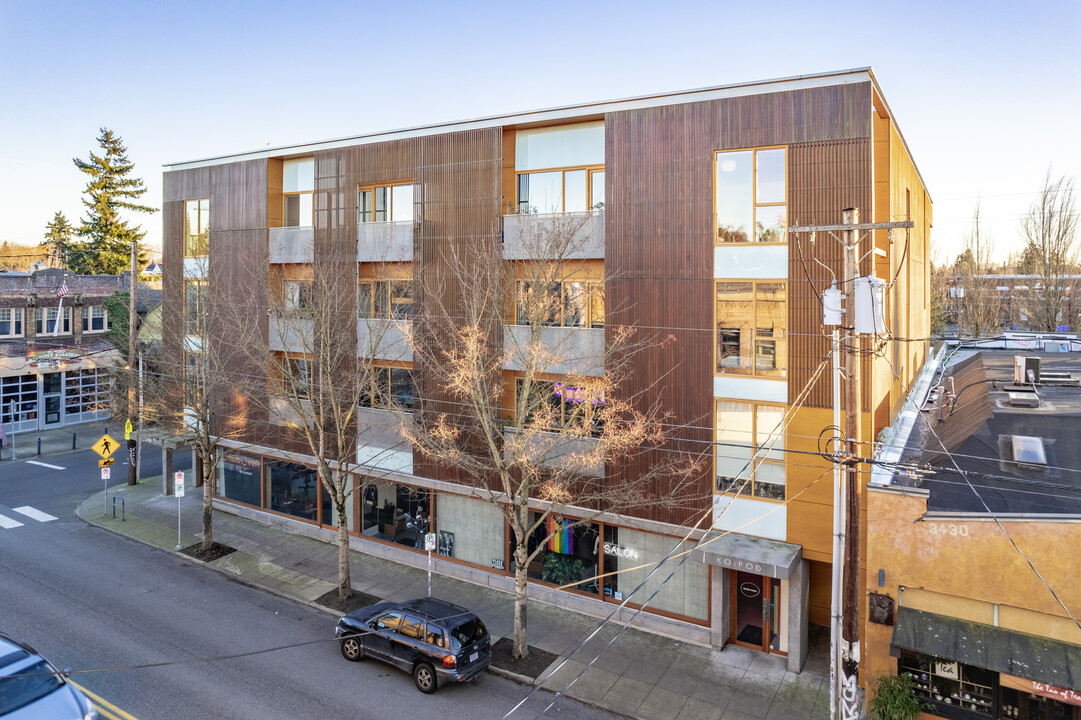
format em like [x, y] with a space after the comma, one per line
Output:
[108, 607]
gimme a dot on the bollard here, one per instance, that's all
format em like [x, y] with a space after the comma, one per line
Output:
[39, 447]
[73, 441]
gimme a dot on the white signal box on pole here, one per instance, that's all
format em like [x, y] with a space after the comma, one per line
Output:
[831, 306]
[869, 298]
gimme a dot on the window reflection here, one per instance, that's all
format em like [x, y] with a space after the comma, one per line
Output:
[751, 196]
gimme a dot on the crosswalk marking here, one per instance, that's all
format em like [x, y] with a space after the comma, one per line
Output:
[53, 467]
[34, 514]
[7, 523]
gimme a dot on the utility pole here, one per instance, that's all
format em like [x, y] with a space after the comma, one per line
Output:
[846, 597]
[133, 473]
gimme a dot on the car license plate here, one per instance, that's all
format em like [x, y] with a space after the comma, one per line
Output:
[474, 656]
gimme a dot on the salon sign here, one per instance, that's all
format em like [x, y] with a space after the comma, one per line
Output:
[1042, 689]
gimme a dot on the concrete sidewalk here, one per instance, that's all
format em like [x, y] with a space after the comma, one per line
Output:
[35, 444]
[640, 675]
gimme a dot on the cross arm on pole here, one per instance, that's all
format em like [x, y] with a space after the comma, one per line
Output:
[856, 226]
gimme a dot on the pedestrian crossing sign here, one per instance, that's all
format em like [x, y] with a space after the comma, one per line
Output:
[105, 447]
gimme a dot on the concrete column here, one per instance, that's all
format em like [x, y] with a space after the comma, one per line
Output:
[166, 470]
[798, 607]
[719, 609]
[196, 468]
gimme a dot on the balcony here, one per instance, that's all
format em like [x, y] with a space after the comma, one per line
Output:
[292, 244]
[555, 236]
[385, 242]
[290, 334]
[383, 339]
[574, 350]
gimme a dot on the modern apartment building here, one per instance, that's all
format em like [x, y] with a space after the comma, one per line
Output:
[683, 202]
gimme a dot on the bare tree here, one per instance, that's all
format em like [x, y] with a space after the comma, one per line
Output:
[318, 376]
[977, 300]
[541, 460]
[1050, 232]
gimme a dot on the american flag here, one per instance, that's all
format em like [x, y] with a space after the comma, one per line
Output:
[63, 289]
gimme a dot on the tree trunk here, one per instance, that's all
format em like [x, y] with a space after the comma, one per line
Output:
[521, 577]
[209, 484]
[345, 588]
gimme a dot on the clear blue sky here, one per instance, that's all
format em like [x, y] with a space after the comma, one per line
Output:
[987, 94]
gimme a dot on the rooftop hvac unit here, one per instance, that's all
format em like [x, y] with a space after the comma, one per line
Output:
[1026, 370]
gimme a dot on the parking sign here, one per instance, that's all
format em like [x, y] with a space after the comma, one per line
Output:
[178, 484]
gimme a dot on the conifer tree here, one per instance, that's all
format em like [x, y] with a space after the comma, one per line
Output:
[108, 238]
[58, 236]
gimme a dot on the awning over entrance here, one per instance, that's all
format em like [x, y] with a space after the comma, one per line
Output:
[745, 553]
[1007, 651]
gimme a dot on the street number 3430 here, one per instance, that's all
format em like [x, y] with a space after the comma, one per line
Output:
[952, 529]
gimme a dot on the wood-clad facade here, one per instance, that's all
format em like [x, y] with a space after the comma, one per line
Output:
[662, 268]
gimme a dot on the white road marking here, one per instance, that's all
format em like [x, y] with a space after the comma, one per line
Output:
[52, 467]
[7, 523]
[34, 514]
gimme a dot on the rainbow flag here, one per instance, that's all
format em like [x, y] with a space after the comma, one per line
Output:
[560, 536]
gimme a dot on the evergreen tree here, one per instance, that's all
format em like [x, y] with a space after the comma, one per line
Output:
[107, 249]
[58, 236]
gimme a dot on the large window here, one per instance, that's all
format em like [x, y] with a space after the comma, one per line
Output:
[570, 304]
[560, 191]
[385, 203]
[752, 323]
[45, 321]
[95, 319]
[558, 405]
[391, 387]
[298, 184]
[11, 322]
[86, 394]
[397, 513]
[239, 477]
[386, 299]
[196, 228]
[750, 196]
[569, 553]
[742, 429]
[195, 307]
[291, 488]
[297, 376]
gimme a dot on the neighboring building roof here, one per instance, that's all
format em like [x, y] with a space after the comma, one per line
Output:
[45, 282]
[970, 450]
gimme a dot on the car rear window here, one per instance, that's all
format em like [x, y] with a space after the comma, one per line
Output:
[470, 631]
[23, 687]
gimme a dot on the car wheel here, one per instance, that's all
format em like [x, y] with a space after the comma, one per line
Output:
[424, 677]
[352, 650]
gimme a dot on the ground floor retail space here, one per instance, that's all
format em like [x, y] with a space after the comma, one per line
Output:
[751, 592]
[44, 398]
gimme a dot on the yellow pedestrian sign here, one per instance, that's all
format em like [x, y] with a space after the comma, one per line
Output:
[104, 447]
[127, 429]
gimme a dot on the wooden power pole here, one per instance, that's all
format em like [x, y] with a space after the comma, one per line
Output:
[133, 473]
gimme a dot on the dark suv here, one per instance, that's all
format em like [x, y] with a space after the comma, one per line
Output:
[437, 641]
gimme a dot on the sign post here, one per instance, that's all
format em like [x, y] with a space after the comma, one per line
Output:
[178, 490]
[429, 545]
[106, 472]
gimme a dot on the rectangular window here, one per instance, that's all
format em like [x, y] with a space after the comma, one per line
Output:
[554, 405]
[195, 307]
[751, 204]
[385, 299]
[743, 429]
[94, 319]
[297, 377]
[391, 388]
[751, 325]
[196, 367]
[11, 322]
[196, 228]
[291, 488]
[385, 203]
[297, 187]
[560, 191]
[570, 304]
[48, 324]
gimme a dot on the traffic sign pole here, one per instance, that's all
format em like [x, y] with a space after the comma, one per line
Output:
[178, 490]
[429, 544]
[105, 473]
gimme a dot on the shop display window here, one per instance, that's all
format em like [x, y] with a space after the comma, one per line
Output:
[239, 477]
[568, 553]
[291, 488]
[397, 513]
[947, 686]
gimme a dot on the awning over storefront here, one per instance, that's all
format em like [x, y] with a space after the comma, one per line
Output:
[1007, 651]
[745, 553]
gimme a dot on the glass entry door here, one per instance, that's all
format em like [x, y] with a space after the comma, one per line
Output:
[755, 619]
[51, 389]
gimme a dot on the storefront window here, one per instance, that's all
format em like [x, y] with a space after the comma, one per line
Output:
[686, 594]
[945, 685]
[330, 513]
[569, 553]
[291, 488]
[470, 530]
[238, 477]
[397, 513]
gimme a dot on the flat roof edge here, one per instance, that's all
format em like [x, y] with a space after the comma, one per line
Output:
[566, 112]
